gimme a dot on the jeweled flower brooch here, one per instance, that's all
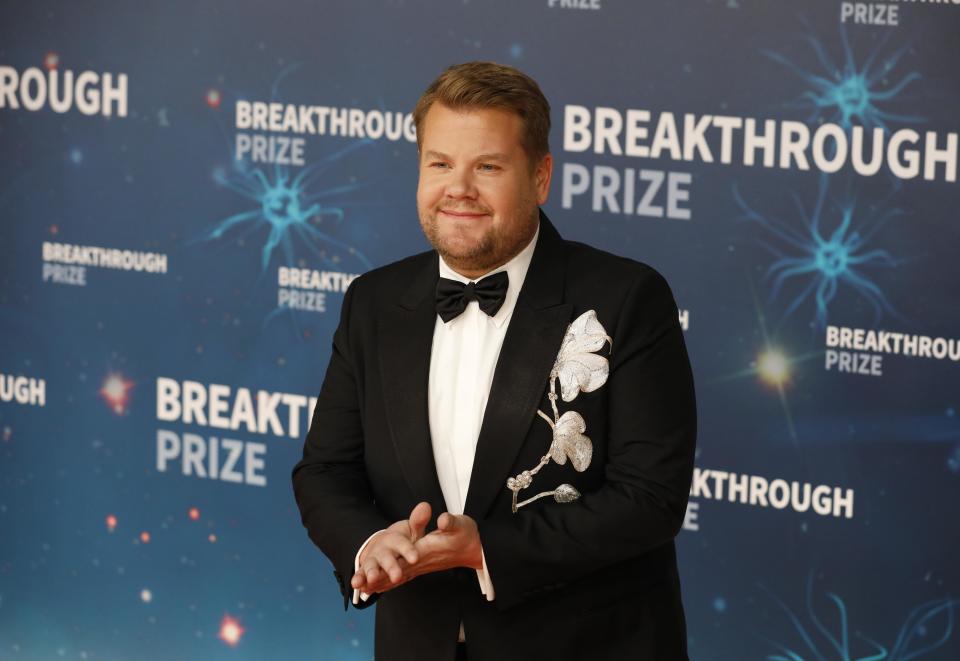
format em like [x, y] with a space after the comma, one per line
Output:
[578, 368]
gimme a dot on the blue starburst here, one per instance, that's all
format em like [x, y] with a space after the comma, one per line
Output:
[927, 628]
[847, 93]
[824, 258]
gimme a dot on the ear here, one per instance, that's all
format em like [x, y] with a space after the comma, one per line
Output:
[542, 174]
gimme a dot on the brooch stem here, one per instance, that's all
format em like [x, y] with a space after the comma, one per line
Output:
[553, 396]
[547, 418]
[565, 493]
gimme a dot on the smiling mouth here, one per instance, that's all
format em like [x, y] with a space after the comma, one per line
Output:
[463, 214]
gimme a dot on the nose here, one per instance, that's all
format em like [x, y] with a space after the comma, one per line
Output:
[461, 184]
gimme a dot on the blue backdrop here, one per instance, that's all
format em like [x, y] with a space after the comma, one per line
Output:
[187, 188]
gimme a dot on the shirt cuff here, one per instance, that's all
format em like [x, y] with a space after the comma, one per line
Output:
[483, 576]
[357, 594]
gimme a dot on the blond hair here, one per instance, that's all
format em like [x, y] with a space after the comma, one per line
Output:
[491, 85]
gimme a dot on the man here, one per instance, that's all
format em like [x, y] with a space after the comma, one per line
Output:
[460, 383]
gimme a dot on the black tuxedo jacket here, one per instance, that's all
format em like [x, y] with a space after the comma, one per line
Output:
[591, 579]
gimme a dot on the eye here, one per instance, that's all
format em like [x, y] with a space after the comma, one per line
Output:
[488, 167]
[440, 165]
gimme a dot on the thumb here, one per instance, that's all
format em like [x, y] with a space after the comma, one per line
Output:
[419, 518]
[448, 522]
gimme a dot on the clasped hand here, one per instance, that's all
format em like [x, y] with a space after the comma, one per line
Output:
[403, 552]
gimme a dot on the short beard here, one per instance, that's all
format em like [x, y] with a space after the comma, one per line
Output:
[476, 257]
[487, 255]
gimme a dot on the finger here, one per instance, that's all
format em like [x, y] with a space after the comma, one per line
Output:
[359, 580]
[380, 586]
[389, 565]
[436, 550]
[410, 572]
[403, 548]
[386, 582]
[371, 569]
[437, 542]
[419, 518]
[395, 543]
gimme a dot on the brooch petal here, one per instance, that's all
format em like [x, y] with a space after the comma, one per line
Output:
[569, 441]
[584, 335]
[582, 371]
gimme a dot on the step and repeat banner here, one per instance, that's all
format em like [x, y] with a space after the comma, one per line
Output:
[187, 189]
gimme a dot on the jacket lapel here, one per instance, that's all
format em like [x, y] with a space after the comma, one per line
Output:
[406, 339]
[530, 347]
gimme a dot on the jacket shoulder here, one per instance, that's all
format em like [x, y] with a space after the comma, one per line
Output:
[389, 280]
[594, 266]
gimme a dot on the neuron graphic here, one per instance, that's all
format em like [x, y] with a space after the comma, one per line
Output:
[824, 258]
[917, 637]
[842, 93]
[285, 205]
[288, 206]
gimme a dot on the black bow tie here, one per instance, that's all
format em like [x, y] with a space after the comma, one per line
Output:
[453, 296]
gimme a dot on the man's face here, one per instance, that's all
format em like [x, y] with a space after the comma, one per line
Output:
[478, 195]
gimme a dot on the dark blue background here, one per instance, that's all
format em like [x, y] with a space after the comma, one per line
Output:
[147, 182]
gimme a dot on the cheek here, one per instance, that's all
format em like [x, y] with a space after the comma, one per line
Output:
[428, 193]
[502, 196]
[422, 199]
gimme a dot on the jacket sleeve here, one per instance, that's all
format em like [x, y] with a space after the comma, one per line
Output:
[650, 450]
[330, 481]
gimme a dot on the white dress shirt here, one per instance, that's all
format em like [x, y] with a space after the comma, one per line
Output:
[462, 362]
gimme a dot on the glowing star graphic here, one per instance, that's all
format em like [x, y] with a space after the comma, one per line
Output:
[146, 596]
[116, 392]
[111, 522]
[849, 93]
[773, 367]
[145, 537]
[213, 98]
[290, 207]
[51, 61]
[926, 629]
[193, 513]
[230, 631]
[212, 538]
[953, 461]
[823, 259]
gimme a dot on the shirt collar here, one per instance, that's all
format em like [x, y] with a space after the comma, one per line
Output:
[516, 270]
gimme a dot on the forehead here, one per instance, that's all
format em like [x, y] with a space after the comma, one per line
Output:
[485, 129]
